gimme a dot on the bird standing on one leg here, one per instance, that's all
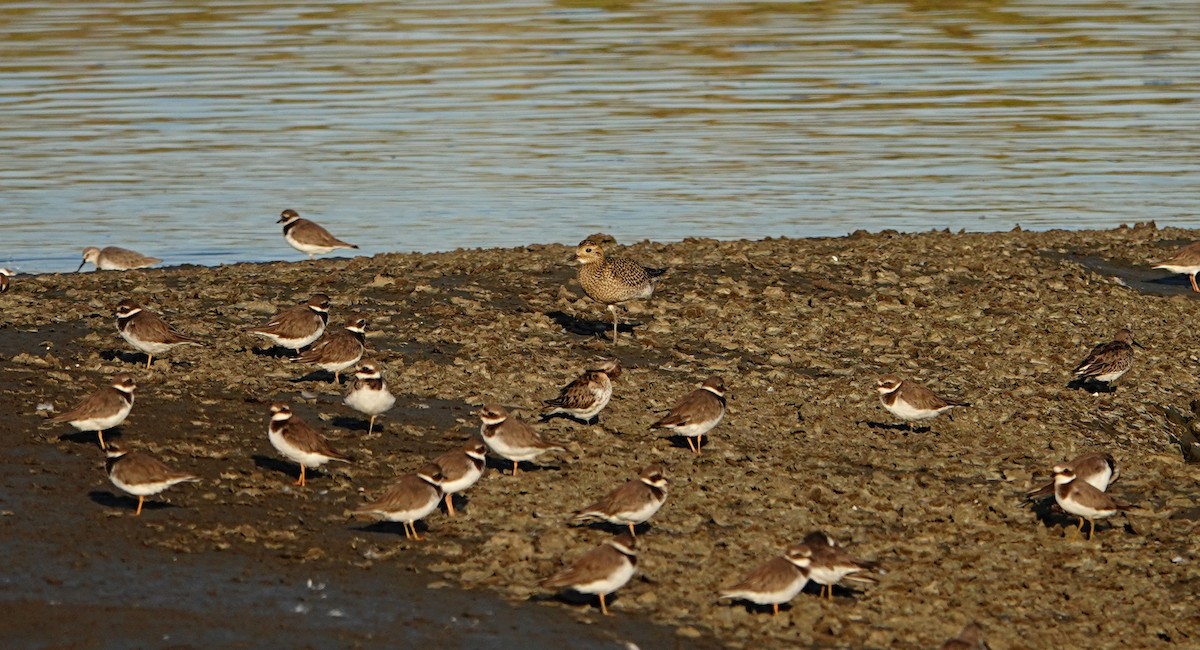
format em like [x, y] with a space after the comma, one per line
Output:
[613, 280]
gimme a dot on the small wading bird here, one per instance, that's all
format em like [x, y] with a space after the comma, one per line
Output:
[103, 409]
[461, 469]
[1186, 260]
[147, 332]
[909, 401]
[307, 236]
[141, 475]
[1082, 500]
[697, 413]
[831, 564]
[298, 441]
[1096, 468]
[369, 394]
[336, 351]
[584, 398]
[600, 571]
[511, 438]
[633, 503]
[775, 582]
[1107, 362]
[113, 258]
[408, 500]
[299, 326]
[614, 280]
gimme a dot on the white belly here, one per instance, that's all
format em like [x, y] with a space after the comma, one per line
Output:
[905, 411]
[410, 516]
[296, 343]
[297, 455]
[143, 489]
[699, 428]
[636, 516]
[470, 478]
[371, 402]
[149, 347]
[609, 584]
[1082, 511]
[772, 597]
[310, 249]
[105, 423]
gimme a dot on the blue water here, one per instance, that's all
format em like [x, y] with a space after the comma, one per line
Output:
[182, 129]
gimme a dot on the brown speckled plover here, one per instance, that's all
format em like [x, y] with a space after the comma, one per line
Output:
[584, 398]
[613, 280]
[1107, 362]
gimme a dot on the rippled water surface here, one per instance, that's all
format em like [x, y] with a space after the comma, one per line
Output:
[181, 129]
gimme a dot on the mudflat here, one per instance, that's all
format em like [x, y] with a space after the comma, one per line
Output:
[798, 329]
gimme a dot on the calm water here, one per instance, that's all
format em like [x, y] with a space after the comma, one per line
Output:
[181, 129]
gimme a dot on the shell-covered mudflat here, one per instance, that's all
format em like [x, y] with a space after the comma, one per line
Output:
[799, 330]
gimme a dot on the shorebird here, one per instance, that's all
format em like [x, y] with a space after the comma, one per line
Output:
[1107, 362]
[1082, 500]
[831, 564]
[1096, 468]
[600, 571]
[141, 475]
[697, 413]
[613, 280]
[336, 351]
[461, 469]
[147, 332]
[298, 441]
[113, 258]
[409, 500]
[633, 503]
[1185, 260]
[909, 401]
[299, 326]
[307, 236]
[511, 438]
[103, 409]
[775, 582]
[369, 394]
[5, 282]
[584, 398]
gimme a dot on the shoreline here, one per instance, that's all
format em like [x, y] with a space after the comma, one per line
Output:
[799, 328]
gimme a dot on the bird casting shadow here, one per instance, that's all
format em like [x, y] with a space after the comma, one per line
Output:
[356, 424]
[755, 608]
[612, 528]
[124, 502]
[504, 466]
[391, 527]
[572, 597]
[1051, 515]
[681, 442]
[274, 352]
[546, 417]
[906, 427]
[290, 469]
[90, 437]
[839, 591]
[582, 327]
[322, 375]
[123, 357]
[1091, 386]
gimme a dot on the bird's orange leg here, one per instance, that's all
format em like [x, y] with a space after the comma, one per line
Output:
[515, 467]
[149, 360]
[774, 609]
[1192, 277]
[102, 445]
[450, 504]
[690, 445]
[300, 481]
[141, 500]
[603, 607]
[371, 426]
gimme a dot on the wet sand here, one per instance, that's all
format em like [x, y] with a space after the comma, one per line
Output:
[799, 329]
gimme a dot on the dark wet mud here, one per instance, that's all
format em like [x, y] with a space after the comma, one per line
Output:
[799, 329]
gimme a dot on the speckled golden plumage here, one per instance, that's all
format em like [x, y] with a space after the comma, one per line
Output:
[613, 280]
